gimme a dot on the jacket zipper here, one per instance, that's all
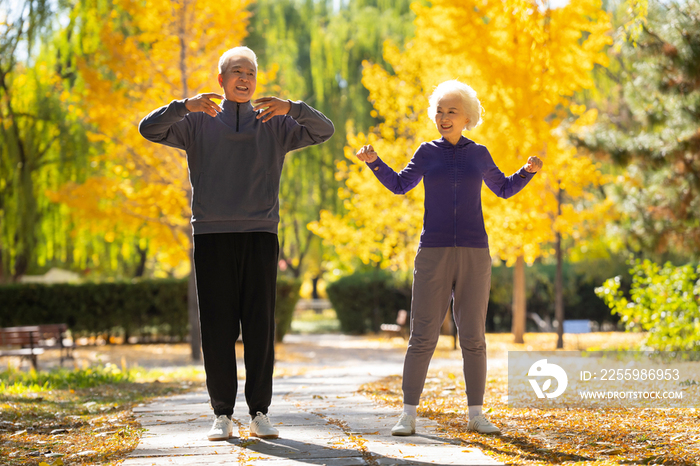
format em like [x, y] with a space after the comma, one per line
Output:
[454, 186]
[238, 108]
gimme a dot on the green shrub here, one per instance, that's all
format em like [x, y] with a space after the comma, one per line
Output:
[364, 300]
[287, 297]
[665, 301]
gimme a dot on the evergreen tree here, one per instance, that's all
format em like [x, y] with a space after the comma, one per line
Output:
[648, 128]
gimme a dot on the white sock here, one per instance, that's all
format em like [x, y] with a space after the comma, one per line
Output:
[474, 411]
[411, 410]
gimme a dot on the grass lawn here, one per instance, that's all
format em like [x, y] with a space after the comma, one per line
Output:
[79, 416]
[314, 322]
[556, 436]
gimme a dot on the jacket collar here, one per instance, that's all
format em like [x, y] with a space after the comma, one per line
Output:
[242, 108]
[461, 143]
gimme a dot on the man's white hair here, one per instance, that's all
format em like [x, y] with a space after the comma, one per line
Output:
[236, 52]
[470, 103]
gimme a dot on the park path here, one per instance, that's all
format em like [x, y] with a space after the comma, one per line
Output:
[321, 417]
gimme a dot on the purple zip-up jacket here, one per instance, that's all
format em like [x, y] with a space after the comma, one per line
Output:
[452, 176]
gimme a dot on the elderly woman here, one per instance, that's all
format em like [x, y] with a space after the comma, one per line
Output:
[453, 259]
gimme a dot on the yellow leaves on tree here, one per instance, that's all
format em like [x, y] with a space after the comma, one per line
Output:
[525, 61]
[142, 56]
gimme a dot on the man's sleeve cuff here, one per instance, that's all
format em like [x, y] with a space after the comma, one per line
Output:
[181, 107]
[295, 110]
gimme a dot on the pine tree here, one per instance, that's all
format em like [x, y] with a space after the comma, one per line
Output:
[648, 129]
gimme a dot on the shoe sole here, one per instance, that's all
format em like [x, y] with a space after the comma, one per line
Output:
[219, 439]
[498, 432]
[265, 436]
[403, 434]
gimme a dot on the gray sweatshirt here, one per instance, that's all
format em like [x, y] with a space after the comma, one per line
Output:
[235, 160]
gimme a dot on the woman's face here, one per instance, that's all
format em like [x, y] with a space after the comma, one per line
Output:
[450, 117]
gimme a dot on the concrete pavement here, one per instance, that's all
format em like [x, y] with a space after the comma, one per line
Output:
[321, 418]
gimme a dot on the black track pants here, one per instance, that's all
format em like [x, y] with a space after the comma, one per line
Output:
[236, 277]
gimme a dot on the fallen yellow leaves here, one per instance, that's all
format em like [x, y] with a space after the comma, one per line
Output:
[62, 427]
[560, 436]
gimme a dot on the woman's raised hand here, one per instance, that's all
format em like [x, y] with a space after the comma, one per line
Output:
[367, 154]
[534, 164]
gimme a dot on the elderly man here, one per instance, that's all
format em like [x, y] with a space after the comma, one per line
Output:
[235, 152]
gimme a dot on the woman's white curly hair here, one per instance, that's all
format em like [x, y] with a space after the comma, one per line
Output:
[472, 106]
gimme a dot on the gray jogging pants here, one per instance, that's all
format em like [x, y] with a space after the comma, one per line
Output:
[439, 274]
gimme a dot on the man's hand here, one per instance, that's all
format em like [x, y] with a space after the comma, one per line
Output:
[273, 107]
[203, 103]
[533, 165]
[367, 154]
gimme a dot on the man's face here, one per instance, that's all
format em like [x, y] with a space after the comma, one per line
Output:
[239, 79]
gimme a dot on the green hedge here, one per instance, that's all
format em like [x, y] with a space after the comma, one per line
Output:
[364, 300]
[132, 309]
[100, 308]
[287, 297]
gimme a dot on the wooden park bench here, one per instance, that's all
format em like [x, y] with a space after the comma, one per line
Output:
[318, 305]
[32, 340]
[399, 328]
[577, 327]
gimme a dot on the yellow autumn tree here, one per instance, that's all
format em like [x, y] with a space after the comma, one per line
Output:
[138, 56]
[526, 61]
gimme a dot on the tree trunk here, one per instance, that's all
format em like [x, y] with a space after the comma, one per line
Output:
[141, 265]
[447, 327]
[558, 285]
[559, 296]
[25, 235]
[314, 287]
[192, 306]
[519, 304]
[193, 313]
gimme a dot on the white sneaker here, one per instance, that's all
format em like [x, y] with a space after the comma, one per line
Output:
[222, 429]
[405, 426]
[260, 427]
[482, 425]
